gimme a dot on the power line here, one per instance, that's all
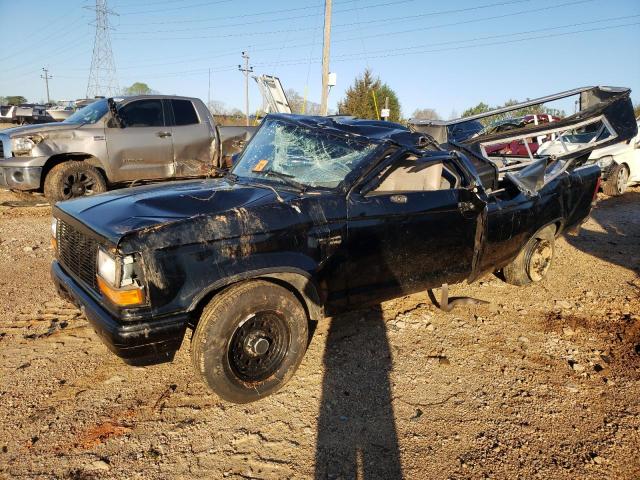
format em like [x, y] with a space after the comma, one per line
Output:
[395, 53]
[350, 24]
[216, 2]
[269, 12]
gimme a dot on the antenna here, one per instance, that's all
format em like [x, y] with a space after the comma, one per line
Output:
[102, 75]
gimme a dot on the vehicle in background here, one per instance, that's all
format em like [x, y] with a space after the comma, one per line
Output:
[29, 113]
[62, 110]
[117, 141]
[620, 163]
[24, 114]
[521, 147]
[8, 113]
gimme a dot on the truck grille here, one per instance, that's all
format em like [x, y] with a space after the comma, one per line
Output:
[77, 253]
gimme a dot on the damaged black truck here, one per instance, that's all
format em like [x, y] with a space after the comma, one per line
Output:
[319, 215]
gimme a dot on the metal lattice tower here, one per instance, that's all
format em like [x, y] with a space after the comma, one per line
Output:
[102, 76]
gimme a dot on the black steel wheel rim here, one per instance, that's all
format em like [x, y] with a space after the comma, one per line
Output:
[258, 346]
[77, 184]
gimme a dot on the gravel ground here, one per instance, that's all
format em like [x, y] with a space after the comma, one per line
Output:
[542, 382]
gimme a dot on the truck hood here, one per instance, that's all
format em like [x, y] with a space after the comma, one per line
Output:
[121, 212]
[39, 128]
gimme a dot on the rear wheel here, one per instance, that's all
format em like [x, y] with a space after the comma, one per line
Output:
[73, 179]
[249, 341]
[533, 261]
[616, 183]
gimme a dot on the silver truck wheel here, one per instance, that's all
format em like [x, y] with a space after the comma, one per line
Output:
[73, 179]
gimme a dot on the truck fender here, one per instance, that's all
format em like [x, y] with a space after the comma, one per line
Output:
[298, 281]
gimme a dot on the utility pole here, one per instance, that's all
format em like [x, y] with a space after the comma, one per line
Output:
[46, 77]
[246, 70]
[325, 57]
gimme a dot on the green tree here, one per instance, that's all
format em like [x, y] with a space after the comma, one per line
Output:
[479, 108]
[636, 110]
[138, 88]
[16, 99]
[367, 92]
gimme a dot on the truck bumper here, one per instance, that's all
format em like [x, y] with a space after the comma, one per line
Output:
[20, 178]
[136, 342]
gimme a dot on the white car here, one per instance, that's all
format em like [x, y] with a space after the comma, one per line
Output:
[620, 163]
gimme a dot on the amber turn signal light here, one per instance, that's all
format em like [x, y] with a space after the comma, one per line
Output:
[123, 298]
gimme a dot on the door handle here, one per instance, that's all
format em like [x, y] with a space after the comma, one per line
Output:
[398, 198]
[163, 134]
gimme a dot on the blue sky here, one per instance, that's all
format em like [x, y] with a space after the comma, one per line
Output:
[443, 55]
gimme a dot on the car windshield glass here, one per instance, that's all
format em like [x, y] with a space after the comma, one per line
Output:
[313, 159]
[89, 114]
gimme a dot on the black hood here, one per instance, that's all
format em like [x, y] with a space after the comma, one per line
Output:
[120, 212]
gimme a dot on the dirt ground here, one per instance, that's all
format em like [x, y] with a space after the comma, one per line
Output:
[543, 382]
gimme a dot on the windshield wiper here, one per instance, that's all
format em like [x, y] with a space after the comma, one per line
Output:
[224, 173]
[288, 179]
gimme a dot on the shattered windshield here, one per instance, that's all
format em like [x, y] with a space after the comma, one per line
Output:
[89, 114]
[288, 153]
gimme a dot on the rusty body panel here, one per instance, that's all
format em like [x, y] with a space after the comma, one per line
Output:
[337, 248]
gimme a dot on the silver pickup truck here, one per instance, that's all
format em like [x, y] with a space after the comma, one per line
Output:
[117, 141]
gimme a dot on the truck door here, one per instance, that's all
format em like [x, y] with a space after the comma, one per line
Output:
[142, 150]
[192, 138]
[414, 231]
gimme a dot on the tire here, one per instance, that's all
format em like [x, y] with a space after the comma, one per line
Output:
[73, 179]
[228, 348]
[533, 262]
[616, 183]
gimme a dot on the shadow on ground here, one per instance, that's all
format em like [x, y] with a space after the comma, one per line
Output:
[618, 243]
[357, 435]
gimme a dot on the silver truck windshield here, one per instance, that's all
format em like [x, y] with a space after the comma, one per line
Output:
[280, 149]
[90, 114]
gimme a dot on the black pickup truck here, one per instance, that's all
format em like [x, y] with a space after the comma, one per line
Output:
[319, 215]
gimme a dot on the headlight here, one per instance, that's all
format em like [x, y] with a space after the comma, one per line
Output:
[22, 145]
[117, 279]
[107, 267]
[54, 233]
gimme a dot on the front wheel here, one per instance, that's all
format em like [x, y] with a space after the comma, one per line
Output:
[616, 183]
[533, 261]
[73, 179]
[249, 341]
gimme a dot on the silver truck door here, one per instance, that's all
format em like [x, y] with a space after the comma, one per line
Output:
[273, 94]
[192, 137]
[142, 150]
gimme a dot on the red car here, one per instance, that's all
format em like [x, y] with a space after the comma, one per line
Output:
[517, 147]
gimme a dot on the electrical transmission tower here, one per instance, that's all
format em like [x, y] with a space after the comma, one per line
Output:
[102, 76]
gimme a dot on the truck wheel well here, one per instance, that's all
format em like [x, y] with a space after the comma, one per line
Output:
[64, 157]
[311, 306]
